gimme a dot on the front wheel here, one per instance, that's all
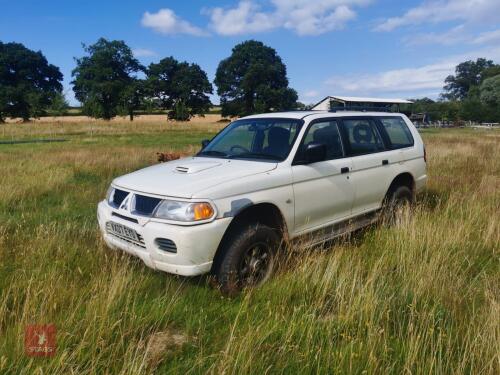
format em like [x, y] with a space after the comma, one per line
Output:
[248, 258]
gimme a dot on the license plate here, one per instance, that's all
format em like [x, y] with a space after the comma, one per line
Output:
[123, 231]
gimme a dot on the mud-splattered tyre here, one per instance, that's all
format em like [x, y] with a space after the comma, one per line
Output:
[248, 258]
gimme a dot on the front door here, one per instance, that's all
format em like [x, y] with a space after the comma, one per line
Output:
[322, 191]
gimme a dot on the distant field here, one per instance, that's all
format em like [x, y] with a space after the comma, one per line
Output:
[422, 297]
[209, 118]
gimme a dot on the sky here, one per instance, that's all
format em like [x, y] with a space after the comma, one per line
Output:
[379, 48]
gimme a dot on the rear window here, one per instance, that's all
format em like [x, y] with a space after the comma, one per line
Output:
[397, 131]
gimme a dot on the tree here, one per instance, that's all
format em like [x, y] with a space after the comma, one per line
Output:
[28, 83]
[59, 106]
[490, 90]
[179, 87]
[490, 96]
[253, 79]
[104, 80]
[131, 98]
[467, 75]
[490, 72]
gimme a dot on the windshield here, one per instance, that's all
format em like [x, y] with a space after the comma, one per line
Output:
[265, 139]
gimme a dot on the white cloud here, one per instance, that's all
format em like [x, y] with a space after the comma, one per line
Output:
[143, 52]
[434, 11]
[458, 34]
[304, 17]
[165, 21]
[455, 35]
[488, 37]
[407, 82]
[315, 17]
[245, 18]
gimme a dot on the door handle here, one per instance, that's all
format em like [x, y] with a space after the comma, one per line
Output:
[344, 170]
[385, 162]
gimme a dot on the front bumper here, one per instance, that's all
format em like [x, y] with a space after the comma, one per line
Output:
[196, 244]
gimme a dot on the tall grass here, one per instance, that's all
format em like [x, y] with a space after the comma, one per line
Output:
[419, 297]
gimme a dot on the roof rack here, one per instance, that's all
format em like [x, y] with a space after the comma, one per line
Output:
[357, 108]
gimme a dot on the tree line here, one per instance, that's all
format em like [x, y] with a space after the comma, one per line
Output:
[109, 81]
[471, 94]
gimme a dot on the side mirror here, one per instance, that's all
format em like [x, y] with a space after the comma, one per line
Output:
[204, 143]
[315, 152]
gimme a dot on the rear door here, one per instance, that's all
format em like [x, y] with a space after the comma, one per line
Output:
[323, 192]
[371, 170]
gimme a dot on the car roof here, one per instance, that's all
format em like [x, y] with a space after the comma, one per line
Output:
[318, 114]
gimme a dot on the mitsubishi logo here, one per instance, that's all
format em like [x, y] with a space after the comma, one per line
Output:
[126, 203]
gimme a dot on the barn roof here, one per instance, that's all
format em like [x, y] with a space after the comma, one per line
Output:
[355, 99]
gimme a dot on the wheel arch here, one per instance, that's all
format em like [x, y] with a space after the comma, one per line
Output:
[264, 213]
[402, 179]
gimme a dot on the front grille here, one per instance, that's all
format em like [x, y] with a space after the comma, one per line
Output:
[139, 243]
[119, 196]
[145, 205]
[125, 217]
[166, 245]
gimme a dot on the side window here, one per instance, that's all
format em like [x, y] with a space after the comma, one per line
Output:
[283, 131]
[397, 132]
[361, 136]
[327, 133]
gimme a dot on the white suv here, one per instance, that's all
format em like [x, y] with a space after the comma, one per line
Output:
[262, 180]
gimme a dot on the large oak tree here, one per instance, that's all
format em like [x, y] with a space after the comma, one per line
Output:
[253, 79]
[28, 83]
[468, 75]
[105, 81]
[179, 87]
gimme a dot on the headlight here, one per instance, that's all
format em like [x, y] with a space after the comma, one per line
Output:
[184, 211]
[109, 194]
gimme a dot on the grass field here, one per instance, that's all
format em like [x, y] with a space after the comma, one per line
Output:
[421, 297]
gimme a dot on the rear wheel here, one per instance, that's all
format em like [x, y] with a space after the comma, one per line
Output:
[395, 204]
[248, 258]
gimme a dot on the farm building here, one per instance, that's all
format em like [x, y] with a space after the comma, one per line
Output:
[331, 103]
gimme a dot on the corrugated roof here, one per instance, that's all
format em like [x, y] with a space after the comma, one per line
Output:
[324, 104]
[356, 99]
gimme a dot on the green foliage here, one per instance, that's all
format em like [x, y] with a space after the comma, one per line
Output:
[59, 106]
[180, 112]
[131, 98]
[104, 80]
[490, 72]
[490, 95]
[467, 75]
[28, 83]
[472, 94]
[253, 79]
[179, 87]
[490, 90]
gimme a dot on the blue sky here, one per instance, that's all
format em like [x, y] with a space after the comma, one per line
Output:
[382, 48]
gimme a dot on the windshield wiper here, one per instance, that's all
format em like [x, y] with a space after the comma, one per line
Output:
[257, 155]
[212, 153]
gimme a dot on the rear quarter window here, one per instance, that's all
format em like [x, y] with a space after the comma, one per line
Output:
[397, 131]
[361, 136]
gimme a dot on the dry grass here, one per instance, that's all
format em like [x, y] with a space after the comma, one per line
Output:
[420, 297]
[64, 127]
